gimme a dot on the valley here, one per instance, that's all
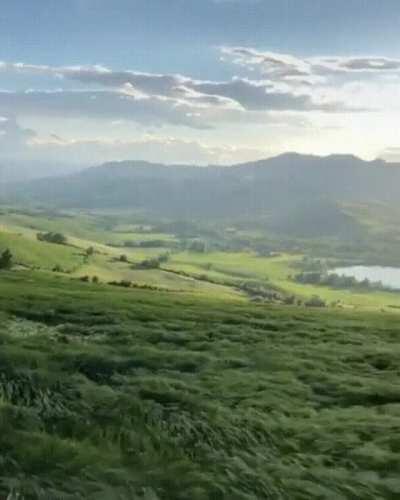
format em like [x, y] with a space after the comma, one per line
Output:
[118, 249]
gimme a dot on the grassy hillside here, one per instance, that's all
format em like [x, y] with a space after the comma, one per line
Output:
[29, 252]
[18, 233]
[112, 393]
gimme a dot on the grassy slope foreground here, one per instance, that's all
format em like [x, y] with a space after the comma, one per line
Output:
[112, 393]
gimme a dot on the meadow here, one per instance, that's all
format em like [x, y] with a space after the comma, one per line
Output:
[113, 393]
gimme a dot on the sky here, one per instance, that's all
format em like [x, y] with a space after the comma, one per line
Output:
[198, 81]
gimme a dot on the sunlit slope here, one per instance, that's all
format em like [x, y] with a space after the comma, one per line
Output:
[104, 265]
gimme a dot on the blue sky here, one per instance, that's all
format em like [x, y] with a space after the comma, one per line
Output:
[255, 78]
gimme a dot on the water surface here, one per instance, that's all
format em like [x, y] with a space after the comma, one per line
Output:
[388, 276]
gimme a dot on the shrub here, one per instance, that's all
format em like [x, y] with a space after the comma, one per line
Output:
[123, 283]
[315, 301]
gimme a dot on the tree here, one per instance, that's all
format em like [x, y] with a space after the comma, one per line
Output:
[6, 259]
[89, 251]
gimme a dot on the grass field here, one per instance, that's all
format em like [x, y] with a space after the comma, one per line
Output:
[130, 394]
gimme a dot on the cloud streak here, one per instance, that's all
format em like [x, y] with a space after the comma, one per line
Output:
[285, 67]
[159, 98]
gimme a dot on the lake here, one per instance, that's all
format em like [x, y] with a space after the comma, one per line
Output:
[388, 276]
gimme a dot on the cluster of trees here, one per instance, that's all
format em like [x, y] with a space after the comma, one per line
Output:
[52, 237]
[313, 265]
[150, 244]
[258, 289]
[140, 286]
[198, 246]
[153, 263]
[337, 281]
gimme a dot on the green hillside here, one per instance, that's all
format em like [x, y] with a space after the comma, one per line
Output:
[111, 393]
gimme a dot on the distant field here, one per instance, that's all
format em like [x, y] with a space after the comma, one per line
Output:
[278, 271]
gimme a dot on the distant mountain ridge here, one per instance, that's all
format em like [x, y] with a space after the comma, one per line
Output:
[281, 188]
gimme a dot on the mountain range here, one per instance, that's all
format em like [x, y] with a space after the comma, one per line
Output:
[289, 191]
